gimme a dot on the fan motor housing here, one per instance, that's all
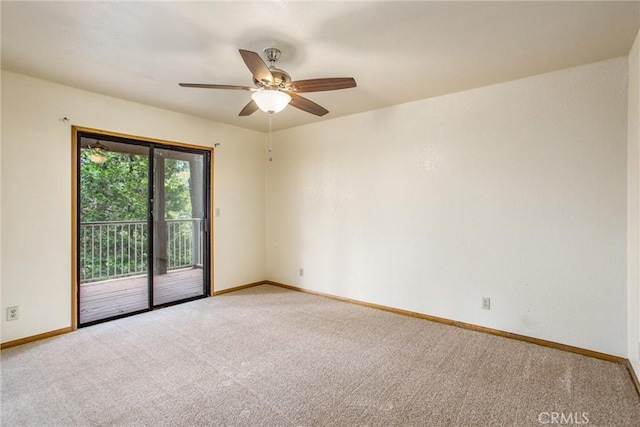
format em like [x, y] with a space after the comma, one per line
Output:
[280, 78]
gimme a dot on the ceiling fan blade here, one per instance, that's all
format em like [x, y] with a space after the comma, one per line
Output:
[257, 66]
[249, 109]
[208, 86]
[319, 85]
[307, 105]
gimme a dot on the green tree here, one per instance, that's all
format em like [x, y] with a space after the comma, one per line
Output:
[117, 190]
[176, 187]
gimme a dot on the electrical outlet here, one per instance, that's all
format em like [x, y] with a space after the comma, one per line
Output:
[301, 272]
[486, 303]
[217, 212]
[13, 313]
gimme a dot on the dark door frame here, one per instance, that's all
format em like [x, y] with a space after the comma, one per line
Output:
[151, 144]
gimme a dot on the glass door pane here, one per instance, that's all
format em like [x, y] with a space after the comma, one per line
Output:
[179, 218]
[113, 234]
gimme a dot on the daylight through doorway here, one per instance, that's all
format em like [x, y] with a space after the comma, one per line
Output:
[142, 226]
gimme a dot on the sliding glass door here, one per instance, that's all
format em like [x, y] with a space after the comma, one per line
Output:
[179, 225]
[143, 217]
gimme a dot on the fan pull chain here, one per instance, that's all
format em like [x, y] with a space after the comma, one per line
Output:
[269, 148]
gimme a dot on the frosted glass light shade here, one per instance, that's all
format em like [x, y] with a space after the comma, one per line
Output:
[98, 157]
[271, 101]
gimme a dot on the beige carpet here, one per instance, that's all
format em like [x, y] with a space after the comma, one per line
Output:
[269, 356]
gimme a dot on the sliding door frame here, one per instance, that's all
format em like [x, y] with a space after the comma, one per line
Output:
[76, 132]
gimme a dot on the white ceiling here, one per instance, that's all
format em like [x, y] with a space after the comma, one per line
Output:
[397, 51]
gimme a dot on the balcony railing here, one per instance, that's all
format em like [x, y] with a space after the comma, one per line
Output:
[113, 249]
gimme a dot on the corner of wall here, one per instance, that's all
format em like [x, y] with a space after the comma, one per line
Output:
[633, 207]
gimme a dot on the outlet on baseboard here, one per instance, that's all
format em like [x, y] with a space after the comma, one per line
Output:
[486, 303]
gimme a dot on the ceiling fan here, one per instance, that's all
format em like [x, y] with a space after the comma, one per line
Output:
[274, 89]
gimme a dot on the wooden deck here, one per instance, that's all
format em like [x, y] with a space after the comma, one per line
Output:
[109, 298]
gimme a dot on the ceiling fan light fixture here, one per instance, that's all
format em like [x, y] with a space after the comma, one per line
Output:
[270, 100]
[274, 88]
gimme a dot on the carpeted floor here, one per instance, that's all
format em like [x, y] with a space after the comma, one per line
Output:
[270, 356]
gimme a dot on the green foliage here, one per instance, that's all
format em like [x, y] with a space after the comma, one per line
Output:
[117, 190]
[176, 187]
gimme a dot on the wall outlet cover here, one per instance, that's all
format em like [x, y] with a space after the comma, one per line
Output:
[12, 313]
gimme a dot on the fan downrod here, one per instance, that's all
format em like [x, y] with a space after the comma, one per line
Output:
[280, 77]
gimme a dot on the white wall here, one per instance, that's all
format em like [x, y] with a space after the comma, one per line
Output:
[36, 192]
[633, 208]
[515, 191]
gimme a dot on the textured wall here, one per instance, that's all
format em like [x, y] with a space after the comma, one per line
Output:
[514, 191]
[36, 193]
[633, 207]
